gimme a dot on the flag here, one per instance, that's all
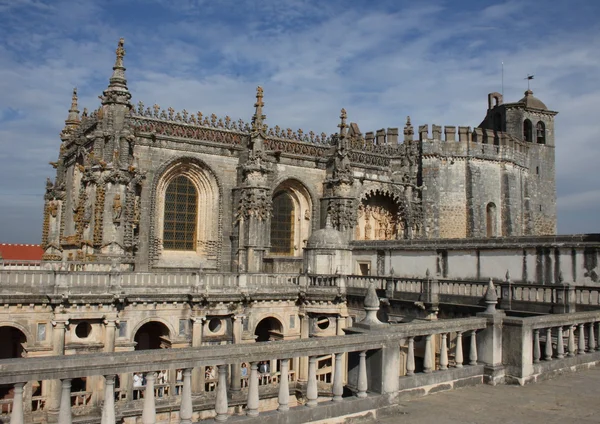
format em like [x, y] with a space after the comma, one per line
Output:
[529, 77]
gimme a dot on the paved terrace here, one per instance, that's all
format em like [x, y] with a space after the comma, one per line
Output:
[571, 398]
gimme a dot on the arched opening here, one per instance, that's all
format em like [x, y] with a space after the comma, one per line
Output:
[527, 130]
[291, 220]
[378, 218]
[491, 220]
[268, 329]
[12, 344]
[181, 209]
[152, 335]
[282, 225]
[541, 132]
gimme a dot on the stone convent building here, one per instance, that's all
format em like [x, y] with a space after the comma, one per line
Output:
[157, 189]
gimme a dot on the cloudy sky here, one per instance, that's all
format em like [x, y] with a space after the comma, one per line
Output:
[381, 60]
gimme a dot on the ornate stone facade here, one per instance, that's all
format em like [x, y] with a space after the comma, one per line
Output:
[115, 197]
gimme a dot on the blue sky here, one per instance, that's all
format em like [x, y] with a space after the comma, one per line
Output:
[381, 60]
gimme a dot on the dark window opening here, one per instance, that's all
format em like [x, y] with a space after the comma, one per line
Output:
[527, 130]
[282, 225]
[181, 207]
[541, 132]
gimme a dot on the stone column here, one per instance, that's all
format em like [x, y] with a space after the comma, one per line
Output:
[592, 339]
[236, 374]
[186, 410]
[304, 332]
[311, 388]
[444, 352]
[458, 354]
[560, 346]
[221, 405]
[58, 348]
[108, 410]
[473, 349]
[253, 398]
[410, 357]
[362, 375]
[284, 387]
[581, 339]
[197, 372]
[16, 416]
[341, 324]
[64, 414]
[338, 378]
[548, 345]
[428, 359]
[149, 411]
[109, 341]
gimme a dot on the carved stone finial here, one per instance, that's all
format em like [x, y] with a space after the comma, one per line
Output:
[491, 298]
[342, 126]
[117, 91]
[328, 222]
[409, 131]
[507, 277]
[427, 274]
[120, 53]
[561, 279]
[371, 305]
[258, 117]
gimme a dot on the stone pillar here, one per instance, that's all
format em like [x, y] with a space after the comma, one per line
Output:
[58, 348]
[16, 416]
[410, 357]
[149, 411]
[253, 398]
[338, 378]
[197, 372]
[236, 374]
[560, 346]
[108, 410]
[186, 410]
[221, 405]
[473, 348]
[284, 387]
[341, 324]
[109, 341]
[536, 346]
[428, 358]
[592, 339]
[311, 388]
[581, 339]
[362, 375]
[571, 344]
[548, 345]
[304, 332]
[458, 354]
[64, 414]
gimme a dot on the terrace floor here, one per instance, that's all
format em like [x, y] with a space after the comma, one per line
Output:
[570, 398]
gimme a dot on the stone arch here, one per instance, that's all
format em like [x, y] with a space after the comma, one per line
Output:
[269, 328]
[540, 132]
[302, 214]
[14, 341]
[494, 99]
[527, 130]
[207, 249]
[380, 216]
[152, 333]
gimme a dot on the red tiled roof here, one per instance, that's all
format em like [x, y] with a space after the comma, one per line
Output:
[21, 252]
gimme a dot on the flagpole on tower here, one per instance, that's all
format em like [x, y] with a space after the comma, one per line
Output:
[502, 79]
[529, 78]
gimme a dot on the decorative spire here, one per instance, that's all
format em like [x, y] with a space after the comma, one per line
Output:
[342, 126]
[258, 118]
[491, 298]
[117, 91]
[72, 120]
[409, 131]
[371, 306]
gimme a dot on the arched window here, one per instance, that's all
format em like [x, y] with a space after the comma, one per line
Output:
[527, 130]
[282, 224]
[181, 210]
[540, 129]
[491, 222]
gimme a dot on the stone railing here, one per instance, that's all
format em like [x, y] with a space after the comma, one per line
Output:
[545, 345]
[370, 360]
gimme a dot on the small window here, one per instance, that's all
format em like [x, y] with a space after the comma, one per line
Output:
[527, 130]
[83, 330]
[540, 129]
[214, 325]
[540, 208]
[41, 332]
[182, 327]
[537, 170]
[364, 268]
[123, 329]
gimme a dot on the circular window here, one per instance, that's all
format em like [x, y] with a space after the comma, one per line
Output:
[83, 330]
[323, 323]
[214, 325]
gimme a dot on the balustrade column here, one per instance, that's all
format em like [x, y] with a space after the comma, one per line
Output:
[304, 332]
[410, 357]
[108, 409]
[236, 370]
[338, 378]
[560, 345]
[58, 348]
[536, 346]
[64, 414]
[444, 352]
[473, 350]
[548, 346]
[253, 399]
[581, 339]
[427, 360]
[221, 401]
[149, 411]
[109, 340]
[311, 388]
[458, 354]
[284, 386]
[362, 375]
[197, 372]
[598, 340]
[16, 416]
[185, 410]
[592, 338]
[571, 344]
